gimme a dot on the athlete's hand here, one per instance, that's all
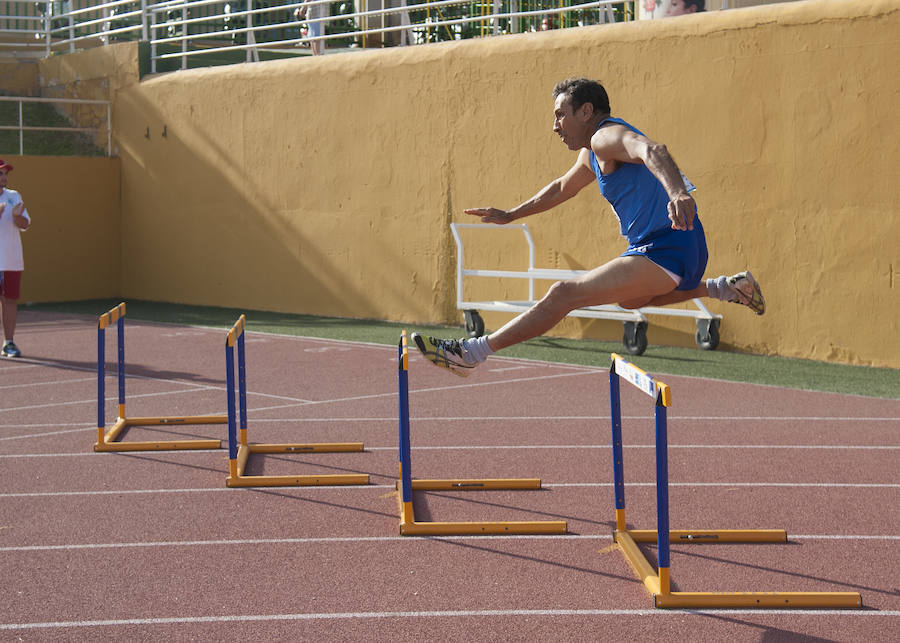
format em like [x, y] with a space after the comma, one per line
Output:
[491, 215]
[682, 209]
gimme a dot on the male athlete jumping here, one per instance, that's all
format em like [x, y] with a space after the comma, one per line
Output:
[666, 254]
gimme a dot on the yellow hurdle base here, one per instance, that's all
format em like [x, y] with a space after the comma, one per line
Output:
[657, 582]
[320, 447]
[297, 481]
[792, 600]
[712, 535]
[541, 527]
[409, 526]
[237, 466]
[110, 444]
[475, 484]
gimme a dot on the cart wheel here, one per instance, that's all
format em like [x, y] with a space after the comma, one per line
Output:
[707, 336]
[474, 323]
[635, 338]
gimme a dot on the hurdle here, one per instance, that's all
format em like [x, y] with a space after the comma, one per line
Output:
[406, 485]
[108, 439]
[240, 450]
[657, 581]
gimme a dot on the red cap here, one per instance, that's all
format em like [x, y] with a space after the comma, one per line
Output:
[5, 166]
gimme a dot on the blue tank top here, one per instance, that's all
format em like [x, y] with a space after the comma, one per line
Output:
[638, 198]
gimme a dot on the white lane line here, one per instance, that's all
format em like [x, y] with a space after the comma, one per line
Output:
[513, 447]
[503, 418]
[553, 418]
[642, 446]
[28, 436]
[393, 393]
[463, 419]
[246, 618]
[432, 419]
[30, 384]
[117, 492]
[25, 364]
[825, 485]
[334, 540]
[125, 492]
[109, 398]
[296, 401]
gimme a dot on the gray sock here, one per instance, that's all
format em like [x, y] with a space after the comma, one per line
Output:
[478, 348]
[718, 288]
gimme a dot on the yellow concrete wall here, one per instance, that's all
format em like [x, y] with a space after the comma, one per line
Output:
[19, 77]
[73, 247]
[326, 185]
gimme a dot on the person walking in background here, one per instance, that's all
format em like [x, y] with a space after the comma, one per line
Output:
[13, 219]
[666, 254]
[313, 12]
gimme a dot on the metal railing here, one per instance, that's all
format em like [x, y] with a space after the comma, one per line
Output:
[22, 26]
[69, 104]
[255, 29]
[185, 33]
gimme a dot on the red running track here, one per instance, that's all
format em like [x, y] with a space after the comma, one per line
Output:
[151, 545]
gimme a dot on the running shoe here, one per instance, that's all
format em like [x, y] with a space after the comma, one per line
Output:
[746, 291]
[10, 350]
[446, 353]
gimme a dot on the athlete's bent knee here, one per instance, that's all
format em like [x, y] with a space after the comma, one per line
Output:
[563, 295]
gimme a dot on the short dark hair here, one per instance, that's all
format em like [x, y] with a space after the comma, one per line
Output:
[581, 91]
[700, 4]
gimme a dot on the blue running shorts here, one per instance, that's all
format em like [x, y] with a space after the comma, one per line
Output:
[683, 252]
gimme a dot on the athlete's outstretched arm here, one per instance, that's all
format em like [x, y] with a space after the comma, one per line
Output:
[551, 195]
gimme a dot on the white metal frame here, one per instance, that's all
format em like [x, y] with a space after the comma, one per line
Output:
[532, 274]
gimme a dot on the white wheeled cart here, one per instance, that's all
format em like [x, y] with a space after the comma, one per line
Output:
[635, 321]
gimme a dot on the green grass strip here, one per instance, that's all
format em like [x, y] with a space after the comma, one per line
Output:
[658, 360]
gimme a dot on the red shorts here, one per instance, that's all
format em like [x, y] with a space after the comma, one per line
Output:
[10, 281]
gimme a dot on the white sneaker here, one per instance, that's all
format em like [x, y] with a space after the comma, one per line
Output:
[746, 291]
[446, 353]
[10, 350]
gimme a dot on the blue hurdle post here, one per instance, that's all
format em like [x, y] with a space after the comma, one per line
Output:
[229, 390]
[239, 447]
[406, 515]
[120, 367]
[655, 580]
[116, 314]
[408, 524]
[235, 337]
[108, 440]
[101, 381]
[618, 466]
[662, 496]
[242, 385]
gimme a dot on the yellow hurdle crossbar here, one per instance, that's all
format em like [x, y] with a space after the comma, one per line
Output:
[240, 450]
[657, 580]
[108, 439]
[406, 485]
[483, 484]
